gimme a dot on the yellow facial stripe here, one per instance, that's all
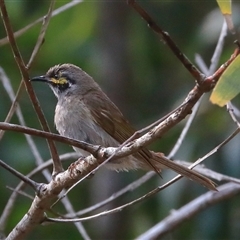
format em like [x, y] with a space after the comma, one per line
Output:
[59, 81]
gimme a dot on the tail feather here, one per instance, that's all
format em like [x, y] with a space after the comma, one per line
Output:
[184, 171]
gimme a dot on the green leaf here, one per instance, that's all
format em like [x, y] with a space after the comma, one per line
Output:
[228, 85]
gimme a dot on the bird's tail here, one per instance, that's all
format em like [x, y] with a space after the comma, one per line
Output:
[159, 161]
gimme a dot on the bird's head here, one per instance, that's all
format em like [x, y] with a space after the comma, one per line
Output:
[67, 79]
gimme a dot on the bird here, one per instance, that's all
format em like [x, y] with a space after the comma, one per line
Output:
[85, 113]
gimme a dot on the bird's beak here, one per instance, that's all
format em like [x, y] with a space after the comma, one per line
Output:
[43, 78]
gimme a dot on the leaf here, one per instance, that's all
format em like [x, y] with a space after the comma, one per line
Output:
[228, 85]
[226, 9]
[225, 6]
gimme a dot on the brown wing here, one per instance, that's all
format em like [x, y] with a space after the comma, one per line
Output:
[109, 117]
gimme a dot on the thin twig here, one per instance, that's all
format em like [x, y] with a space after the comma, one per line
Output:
[10, 204]
[57, 11]
[214, 175]
[14, 107]
[231, 109]
[168, 41]
[19, 175]
[230, 137]
[185, 130]
[131, 187]
[41, 36]
[214, 62]
[56, 137]
[186, 212]
[218, 50]
[21, 193]
[211, 81]
[114, 210]
[18, 58]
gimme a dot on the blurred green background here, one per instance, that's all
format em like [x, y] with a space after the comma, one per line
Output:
[113, 44]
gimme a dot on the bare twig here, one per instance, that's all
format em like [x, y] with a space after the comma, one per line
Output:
[18, 58]
[235, 110]
[8, 87]
[10, 204]
[196, 206]
[21, 193]
[230, 137]
[139, 132]
[210, 81]
[27, 180]
[185, 130]
[168, 40]
[131, 187]
[41, 36]
[203, 67]
[31, 131]
[218, 50]
[231, 109]
[214, 175]
[216, 55]
[114, 210]
[57, 11]
[47, 193]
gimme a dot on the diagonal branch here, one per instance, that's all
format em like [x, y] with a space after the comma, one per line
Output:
[31, 131]
[41, 36]
[177, 217]
[27, 180]
[25, 76]
[57, 11]
[193, 70]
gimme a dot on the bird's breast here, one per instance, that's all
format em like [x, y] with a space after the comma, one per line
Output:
[73, 119]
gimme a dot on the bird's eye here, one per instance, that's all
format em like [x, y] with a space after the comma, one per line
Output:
[56, 76]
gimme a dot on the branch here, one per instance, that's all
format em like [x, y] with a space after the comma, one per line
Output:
[34, 132]
[57, 11]
[47, 193]
[191, 209]
[214, 62]
[41, 36]
[27, 180]
[168, 41]
[10, 204]
[233, 111]
[129, 188]
[206, 83]
[18, 58]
